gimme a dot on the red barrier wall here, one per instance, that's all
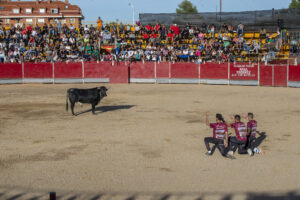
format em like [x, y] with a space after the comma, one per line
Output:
[140, 70]
[214, 71]
[10, 71]
[269, 75]
[243, 71]
[294, 73]
[38, 70]
[184, 70]
[162, 70]
[280, 76]
[119, 73]
[68, 70]
[266, 73]
[97, 70]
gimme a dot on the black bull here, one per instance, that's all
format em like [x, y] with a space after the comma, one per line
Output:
[91, 96]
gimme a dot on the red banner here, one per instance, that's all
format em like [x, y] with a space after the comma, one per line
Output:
[280, 76]
[214, 71]
[68, 70]
[97, 70]
[10, 71]
[38, 70]
[184, 70]
[140, 70]
[243, 71]
[266, 75]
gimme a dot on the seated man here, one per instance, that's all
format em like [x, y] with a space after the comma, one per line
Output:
[239, 141]
[253, 142]
[220, 134]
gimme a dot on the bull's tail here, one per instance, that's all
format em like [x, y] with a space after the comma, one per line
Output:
[67, 102]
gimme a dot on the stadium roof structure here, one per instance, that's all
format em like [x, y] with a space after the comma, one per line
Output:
[253, 20]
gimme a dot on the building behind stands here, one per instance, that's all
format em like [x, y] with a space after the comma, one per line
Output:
[39, 12]
[253, 20]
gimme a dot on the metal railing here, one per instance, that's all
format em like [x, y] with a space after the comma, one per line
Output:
[94, 23]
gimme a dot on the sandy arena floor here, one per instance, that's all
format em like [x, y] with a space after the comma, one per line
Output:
[145, 138]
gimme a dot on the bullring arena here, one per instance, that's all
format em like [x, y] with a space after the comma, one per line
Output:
[145, 142]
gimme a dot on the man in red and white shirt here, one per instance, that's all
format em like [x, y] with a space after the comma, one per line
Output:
[220, 133]
[253, 142]
[239, 141]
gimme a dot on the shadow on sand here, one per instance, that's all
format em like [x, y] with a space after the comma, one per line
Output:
[103, 109]
[9, 194]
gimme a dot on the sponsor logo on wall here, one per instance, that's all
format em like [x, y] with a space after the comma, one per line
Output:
[243, 71]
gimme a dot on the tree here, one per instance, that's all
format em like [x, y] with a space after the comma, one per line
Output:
[295, 4]
[186, 7]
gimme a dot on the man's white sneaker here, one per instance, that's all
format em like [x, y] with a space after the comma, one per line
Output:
[250, 152]
[230, 153]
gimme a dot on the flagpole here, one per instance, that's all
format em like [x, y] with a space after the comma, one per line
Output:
[220, 10]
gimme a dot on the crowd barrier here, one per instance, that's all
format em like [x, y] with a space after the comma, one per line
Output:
[38, 72]
[11, 73]
[96, 72]
[255, 74]
[184, 73]
[214, 73]
[142, 72]
[243, 74]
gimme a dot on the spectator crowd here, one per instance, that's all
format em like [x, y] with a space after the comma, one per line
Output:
[53, 43]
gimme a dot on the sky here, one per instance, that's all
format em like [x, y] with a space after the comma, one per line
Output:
[111, 10]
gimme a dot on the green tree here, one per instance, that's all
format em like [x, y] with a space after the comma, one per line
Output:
[186, 7]
[295, 4]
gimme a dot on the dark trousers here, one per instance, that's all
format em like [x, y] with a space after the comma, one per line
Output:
[255, 142]
[217, 144]
[234, 143]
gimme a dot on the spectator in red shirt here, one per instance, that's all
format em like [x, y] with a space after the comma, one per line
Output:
[157, 27]
[176, 29]
[29, 28]
[153, 35]
[170, 37]
[149, 28]
[145, 37]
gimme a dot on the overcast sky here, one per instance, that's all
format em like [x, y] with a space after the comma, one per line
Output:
[110, 10]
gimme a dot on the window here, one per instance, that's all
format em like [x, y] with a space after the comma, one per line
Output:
[42, 10]
[40, 20]
[72, 21]
[16, 11]
[29, 21]
[28, 10]
[63, 21]
[54, 11]
[6, 21]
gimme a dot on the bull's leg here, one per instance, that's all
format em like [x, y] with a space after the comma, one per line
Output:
[72, 107]
[93, 108]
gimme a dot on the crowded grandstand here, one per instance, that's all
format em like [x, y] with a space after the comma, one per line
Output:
[159, 42]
